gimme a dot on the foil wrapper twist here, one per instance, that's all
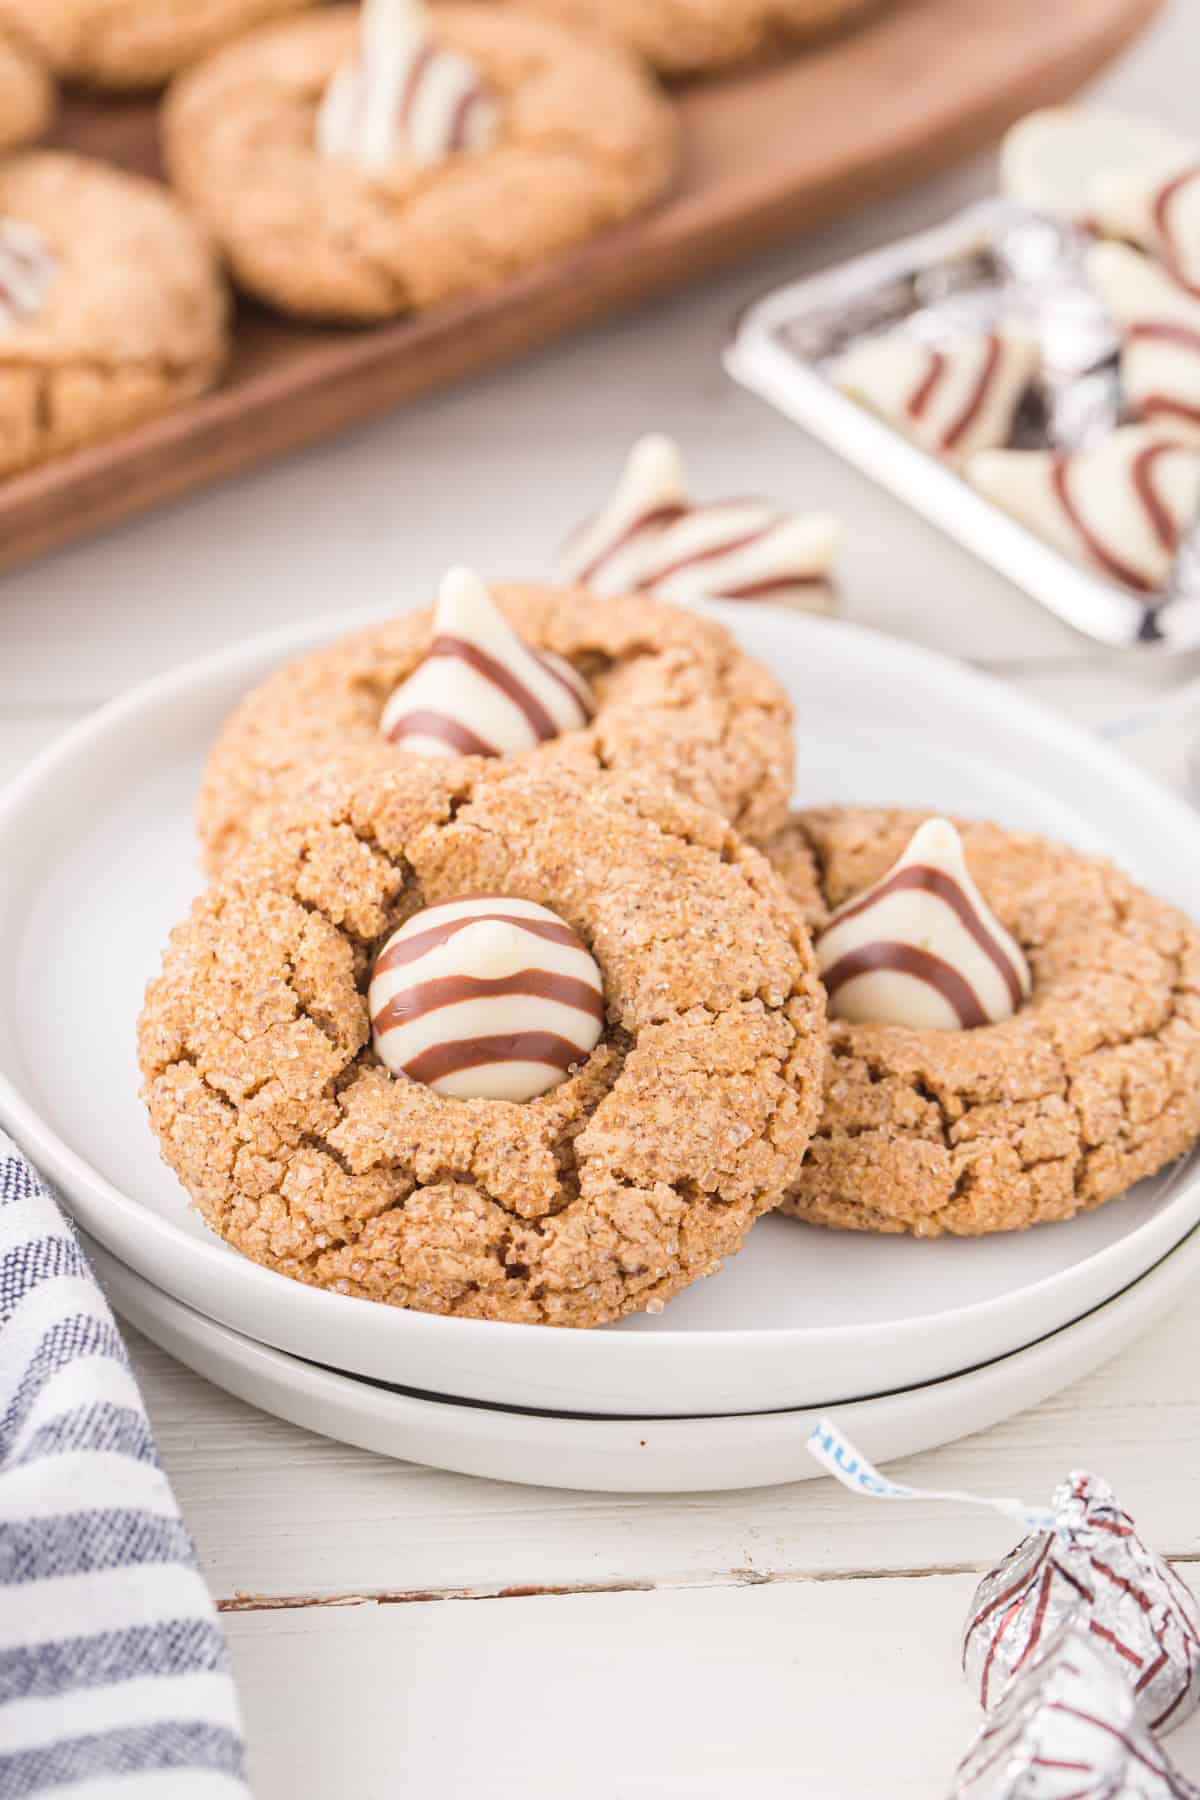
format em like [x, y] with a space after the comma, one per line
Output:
[1068, 1728]
[1094, 1575]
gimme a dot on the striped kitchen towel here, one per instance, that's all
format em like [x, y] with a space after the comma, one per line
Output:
[114, 1678]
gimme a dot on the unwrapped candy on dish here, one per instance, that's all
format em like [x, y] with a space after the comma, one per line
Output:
[1028, 375]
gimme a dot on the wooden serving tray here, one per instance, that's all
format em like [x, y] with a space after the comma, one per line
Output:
[767, 153]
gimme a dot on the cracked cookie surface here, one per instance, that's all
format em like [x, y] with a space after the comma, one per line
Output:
[26, 92]
[584, 141]
[132, 43]
[694, 37]
[605, 1196]
[1092, 1086]
[135, 318]
[676, 699]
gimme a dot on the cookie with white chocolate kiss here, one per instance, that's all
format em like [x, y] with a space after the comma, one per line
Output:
[953, 397]
[1160, 348]
[519, 674]
[504, 1040]
[1092, 1084]
[653, 538]
[441, 153]
[1123, 506]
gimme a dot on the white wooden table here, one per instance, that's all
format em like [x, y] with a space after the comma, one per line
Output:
[399, 1631]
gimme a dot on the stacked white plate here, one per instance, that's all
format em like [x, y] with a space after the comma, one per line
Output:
[914, 1343]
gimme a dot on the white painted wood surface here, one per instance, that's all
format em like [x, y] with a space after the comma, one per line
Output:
[793, 1641]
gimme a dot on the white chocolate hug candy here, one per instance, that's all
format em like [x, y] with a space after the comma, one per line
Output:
[405, 98]
[1123, 506]
[650, 538]
[922, 948]
[27, 271]
[1053, 159]
[1160, 327]
[1157, 209]
[489, 999]
[952, 398]
[480, 690]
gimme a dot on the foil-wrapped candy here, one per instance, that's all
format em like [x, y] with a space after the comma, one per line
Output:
[1068, 1728]
[1094, 1574]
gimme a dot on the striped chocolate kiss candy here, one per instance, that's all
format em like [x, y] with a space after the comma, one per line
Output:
[27, 269]
[1093, 1573]
[1160, 326]
[650, 538]
[480, 690]
[405, 98]
[921, 948]
[951, 398]
[1159, 210]
[488, 999]
[1123, 505]
[1068, 1729]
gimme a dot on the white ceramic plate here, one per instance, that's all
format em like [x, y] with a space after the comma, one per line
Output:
[646, 1456]
[97, 861]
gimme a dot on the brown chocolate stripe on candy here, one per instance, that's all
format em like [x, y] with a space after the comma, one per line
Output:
[922, 965]
[1141, 474]
[923, 879]
[922, 396]
[406, 950]
[1160, 210]
[479, 689]
[652, 520]
[486, 998]
[425, 997]
[455, 1058]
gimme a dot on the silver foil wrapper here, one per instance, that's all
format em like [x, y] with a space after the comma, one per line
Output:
[1068, 1728]
[1094, 1575]
[997, 262]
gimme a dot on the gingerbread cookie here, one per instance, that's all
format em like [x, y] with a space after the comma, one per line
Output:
[132, 43]
[112, 305]
[341, 189]
[26, 92]
[664, 693]
[1090, 1085]
[697, 37]
[465, 924]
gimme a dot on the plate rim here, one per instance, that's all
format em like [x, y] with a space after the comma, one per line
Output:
[241, 662]
[1124, 1317]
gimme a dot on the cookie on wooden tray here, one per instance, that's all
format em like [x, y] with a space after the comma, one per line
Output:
[697, 37]
[1075, 1068]
[505, 1041]
[112, 305]
[26, 92]
[526, 672]
[125, 44]
[358, 167]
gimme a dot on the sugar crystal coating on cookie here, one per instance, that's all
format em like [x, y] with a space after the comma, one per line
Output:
[480, 690]
[652, 538]
[404, 97]
[921, 948]
[1122, 506]
[28, 267]
[1095, 1573]
[486, 999]
[952, 398]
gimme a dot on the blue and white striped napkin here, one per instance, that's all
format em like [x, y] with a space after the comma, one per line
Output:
[114, 1678]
